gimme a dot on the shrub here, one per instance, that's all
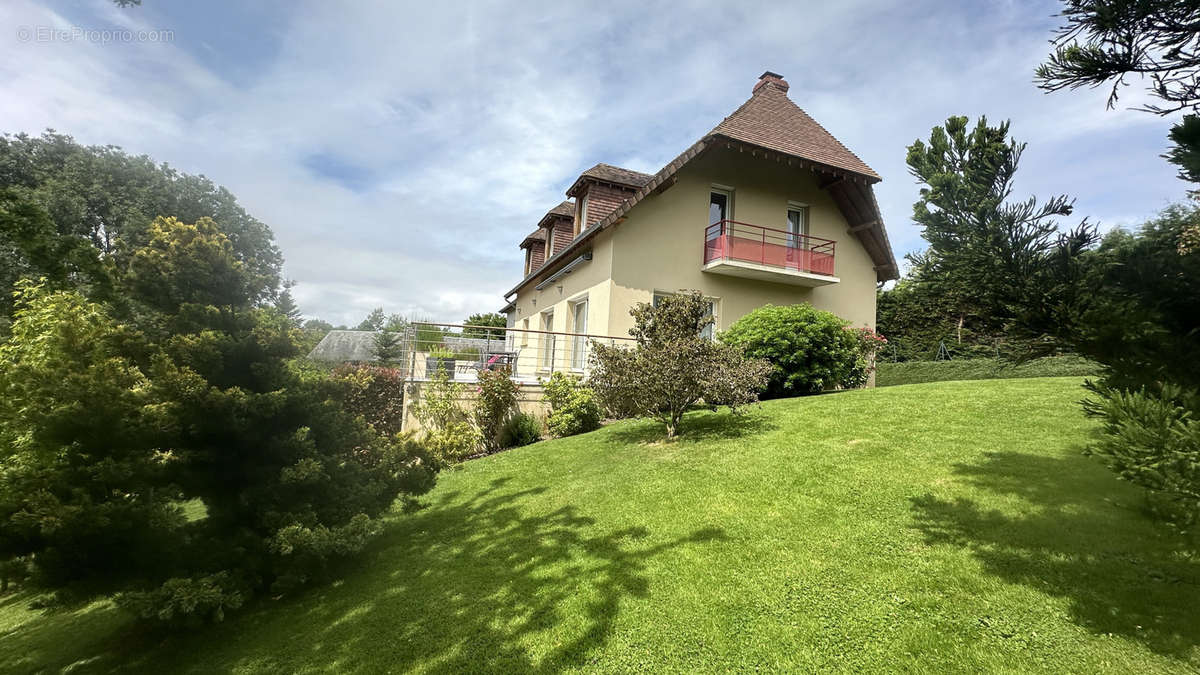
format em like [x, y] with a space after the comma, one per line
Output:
[449, 434]
[497, 399]
[672, 366]
[520, 429]
[1152, 439]
[809, 350]
[374, 393]
[574, 408]
[914, 372]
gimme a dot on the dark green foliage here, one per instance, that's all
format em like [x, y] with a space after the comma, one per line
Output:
[286, 305]
[477, 324]
[986, 255]
[919, 320]
[1106, 40]
[373, 321]
[183, 391]
[673, 367]
[75, 214]
[374, 393]
[388, 346]
[916, 372]
[1152, 439]
[495, 403]
[520, 429]
[810, 350]
[573, 406]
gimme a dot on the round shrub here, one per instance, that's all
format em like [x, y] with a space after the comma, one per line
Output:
[520, 429]
[573, 406]
[809, 350]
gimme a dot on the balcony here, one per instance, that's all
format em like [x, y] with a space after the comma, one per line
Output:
[755, 252]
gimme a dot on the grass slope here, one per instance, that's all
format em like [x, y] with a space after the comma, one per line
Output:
[916, 372]
[945, 527]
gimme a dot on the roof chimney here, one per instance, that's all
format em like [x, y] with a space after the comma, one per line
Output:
[771, 78]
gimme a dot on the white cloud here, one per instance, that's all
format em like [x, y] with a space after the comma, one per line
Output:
[464, 125]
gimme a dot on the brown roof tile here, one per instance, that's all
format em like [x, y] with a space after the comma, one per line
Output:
[770, 120]
[537, 235]
[608, 173]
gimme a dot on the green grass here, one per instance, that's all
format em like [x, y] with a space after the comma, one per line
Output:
[916, 372]
[945, 527]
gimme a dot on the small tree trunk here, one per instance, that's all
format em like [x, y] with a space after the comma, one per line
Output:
[960, 325]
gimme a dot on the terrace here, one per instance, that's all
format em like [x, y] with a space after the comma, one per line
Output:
[755, 252]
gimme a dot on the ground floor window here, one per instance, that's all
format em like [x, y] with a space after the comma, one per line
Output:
[709, 331]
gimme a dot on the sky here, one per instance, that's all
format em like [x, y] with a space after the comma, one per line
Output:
[401, 151]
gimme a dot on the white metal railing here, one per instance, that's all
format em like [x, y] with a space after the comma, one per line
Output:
[462, 351]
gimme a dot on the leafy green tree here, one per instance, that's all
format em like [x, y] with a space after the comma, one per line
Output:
[478, 323]
[185, 390]
[373, 321]
[387, 346]
[672, 367]
[1105, 41]
[986, 254]
[100, 203]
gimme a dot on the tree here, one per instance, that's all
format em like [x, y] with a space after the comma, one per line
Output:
[74, 214]
[986, 255]
[672, 367]
[1105, 41]
[491, 319]
[285, 304]
[373, 321]
[184, 389]
[387, 347]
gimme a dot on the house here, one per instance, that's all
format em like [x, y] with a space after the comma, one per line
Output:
[768, 207]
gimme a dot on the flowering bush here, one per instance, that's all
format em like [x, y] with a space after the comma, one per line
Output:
[869, 343]
[496, 402]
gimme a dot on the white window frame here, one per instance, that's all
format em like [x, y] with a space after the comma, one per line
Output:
[547, 340]
[579, 342]
[807, 211]
[723, 190]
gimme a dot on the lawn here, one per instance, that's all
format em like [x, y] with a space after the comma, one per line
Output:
[939, 527]
[888, 374]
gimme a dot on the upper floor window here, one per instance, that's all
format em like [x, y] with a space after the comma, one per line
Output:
[720, 205]
[797, 224]
[581, 223]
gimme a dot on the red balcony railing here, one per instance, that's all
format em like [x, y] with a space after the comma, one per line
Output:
[731, 240]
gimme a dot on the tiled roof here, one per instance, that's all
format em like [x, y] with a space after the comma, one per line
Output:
[564, 210]
[537, 235]
[770, 120]
[615, 174]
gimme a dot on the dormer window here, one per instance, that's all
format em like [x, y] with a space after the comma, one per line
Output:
[581, 221]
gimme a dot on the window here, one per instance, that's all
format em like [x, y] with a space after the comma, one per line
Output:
[525, 332]
[797, 225]
[709, 330]
[548, 342]
[579, 311]
[720, 203]
[549, 241]
[581, 224]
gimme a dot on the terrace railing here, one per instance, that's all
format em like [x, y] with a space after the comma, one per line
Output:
[743, 242]
[462, 351]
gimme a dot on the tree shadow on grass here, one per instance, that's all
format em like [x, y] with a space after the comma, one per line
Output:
[475, 584]
[697, 426]
[1074, 538]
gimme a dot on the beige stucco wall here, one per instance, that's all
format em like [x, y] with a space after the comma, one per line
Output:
[660, 246]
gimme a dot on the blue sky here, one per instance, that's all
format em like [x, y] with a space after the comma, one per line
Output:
[400, 153]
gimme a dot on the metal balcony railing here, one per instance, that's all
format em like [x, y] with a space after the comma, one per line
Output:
[743, 242]
[462, 351]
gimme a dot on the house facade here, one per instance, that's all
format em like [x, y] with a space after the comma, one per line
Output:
[768, 207]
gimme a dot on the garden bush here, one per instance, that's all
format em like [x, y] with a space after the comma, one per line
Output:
[496, 402]
[809, 350]
[449, 433]
[1152, 439]
[914, 372]
[374, 393]
[520, 429]
[574, 408]
[672, 365]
